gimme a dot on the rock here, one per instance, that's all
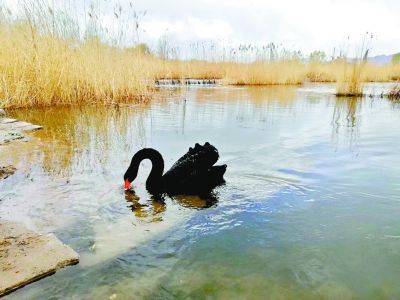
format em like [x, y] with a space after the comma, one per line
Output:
[2, 113]
[20, 124]
[7, 121]
[26, 256]
[6, 137]
[32, 127]
[12, 129]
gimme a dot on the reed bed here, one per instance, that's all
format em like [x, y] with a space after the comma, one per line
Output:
[44, 62]
[284, 72]
[42, 70]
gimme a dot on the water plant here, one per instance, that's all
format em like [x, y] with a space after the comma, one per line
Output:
[350, 83]
[394, 94]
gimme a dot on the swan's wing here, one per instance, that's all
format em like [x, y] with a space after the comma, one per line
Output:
[197, 160]
[200, 182]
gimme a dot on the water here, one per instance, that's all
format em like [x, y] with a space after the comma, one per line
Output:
[310, 208]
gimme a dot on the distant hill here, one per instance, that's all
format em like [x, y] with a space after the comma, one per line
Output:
[384, 59]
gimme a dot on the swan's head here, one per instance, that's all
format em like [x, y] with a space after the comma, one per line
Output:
[156, 171]
[127, 185]
[129, 177]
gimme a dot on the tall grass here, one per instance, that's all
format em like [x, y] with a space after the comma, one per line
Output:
[289, 72]
[350, 83]
[43, 61]
[45, 70]
[47, 59]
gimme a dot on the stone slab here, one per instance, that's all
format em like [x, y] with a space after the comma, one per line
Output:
[31, 127]
[27, 256]
[7, 120]
[12, 129]
[8, 136]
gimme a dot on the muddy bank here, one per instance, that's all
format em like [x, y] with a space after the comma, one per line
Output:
[27, 256]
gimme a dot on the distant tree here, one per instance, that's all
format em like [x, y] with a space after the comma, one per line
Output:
[141, 48]
[396, 58]
[318, 57]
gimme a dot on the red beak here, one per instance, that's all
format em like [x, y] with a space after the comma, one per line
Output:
[127, 185]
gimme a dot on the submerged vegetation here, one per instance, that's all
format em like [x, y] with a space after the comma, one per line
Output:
[46, 58]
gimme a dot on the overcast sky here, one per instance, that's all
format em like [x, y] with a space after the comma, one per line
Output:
[304, 25]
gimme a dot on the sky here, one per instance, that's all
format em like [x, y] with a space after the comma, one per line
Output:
[305, 25]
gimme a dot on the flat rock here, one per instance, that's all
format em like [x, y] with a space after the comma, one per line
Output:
[20, 124]
[12, 129]
[31, 127]
[7, 120]
[6, 137]
[27, 256]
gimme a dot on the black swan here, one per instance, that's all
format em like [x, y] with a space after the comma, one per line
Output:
[193, 174]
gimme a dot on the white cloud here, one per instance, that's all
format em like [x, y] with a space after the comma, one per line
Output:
[189, 29]
[306, 25]
[209, 29]
[155, 29]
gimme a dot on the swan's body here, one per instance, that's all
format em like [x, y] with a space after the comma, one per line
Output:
[194, 173]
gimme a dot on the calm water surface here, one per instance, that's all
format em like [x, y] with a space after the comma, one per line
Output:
[310, 208]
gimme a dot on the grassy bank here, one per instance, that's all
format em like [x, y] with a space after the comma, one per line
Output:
[40, 66]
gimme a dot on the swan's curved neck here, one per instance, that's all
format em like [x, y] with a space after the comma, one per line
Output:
[154, 181]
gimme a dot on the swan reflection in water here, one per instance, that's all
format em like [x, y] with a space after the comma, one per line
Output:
[154, 209]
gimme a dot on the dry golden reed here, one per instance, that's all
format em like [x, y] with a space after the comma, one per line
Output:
[40, 68]
[44, 70]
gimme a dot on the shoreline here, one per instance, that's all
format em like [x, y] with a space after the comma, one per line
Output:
[26, 256]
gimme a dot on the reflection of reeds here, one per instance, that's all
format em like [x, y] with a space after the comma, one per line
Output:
[346, 108]
[80, 137]
[256, 95]
[345, 115]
